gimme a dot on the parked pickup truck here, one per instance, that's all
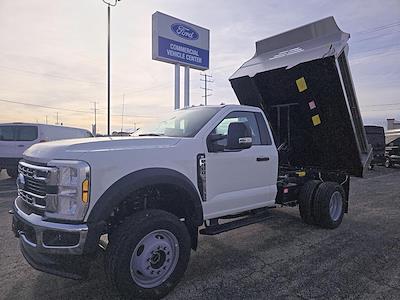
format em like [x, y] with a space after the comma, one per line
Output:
[295, 140]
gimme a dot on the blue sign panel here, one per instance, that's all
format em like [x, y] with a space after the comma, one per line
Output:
[187, 54]
[179, 42]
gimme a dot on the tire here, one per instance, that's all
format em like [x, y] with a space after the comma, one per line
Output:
[306, 199]
[140, 246]
[329, 205]
[13, 173]
[388, 162]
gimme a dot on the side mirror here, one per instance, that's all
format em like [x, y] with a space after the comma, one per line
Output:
[239, 136]
[211, 142]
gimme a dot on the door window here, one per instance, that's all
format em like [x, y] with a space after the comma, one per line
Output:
[245, 117]
[27, 133]
[7, 133]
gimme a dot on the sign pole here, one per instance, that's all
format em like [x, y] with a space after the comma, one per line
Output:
[177, 85]
[187, 90]
[183, 44]
[108, 75]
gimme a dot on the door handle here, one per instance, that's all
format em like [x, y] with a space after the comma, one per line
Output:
[21, 145]
[263, 158]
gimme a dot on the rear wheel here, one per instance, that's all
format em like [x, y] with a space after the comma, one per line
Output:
[306, 199]
[329, 205]
[13, 173]
[148, 254]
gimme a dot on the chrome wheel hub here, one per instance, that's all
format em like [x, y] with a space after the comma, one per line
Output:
[154, 258]
[336, 205]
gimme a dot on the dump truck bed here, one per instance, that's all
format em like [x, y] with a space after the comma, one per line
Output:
[302, 81]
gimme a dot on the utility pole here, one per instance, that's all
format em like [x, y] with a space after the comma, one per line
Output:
[122, 116]
[57, 119]
[109, 4]
[94, 129]
[46, 119]
[207, 79]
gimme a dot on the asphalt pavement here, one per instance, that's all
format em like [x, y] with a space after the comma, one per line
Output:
[281, 258]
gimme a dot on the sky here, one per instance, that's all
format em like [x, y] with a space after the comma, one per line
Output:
[53, 55]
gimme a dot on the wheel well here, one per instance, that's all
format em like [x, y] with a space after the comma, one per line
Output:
[164, 196]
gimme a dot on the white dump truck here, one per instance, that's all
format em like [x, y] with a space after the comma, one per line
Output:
[295, 140]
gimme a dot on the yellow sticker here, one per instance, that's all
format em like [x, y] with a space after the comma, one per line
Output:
[301, 173]
[316, 120]
[301, 84]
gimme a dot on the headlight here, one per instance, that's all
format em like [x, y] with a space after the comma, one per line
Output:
[72, 200]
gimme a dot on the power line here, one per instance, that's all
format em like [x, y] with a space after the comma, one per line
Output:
[51, 76]
[71, 110]
[383, 104]
[44, 106]
[207, 79]
[378, 28]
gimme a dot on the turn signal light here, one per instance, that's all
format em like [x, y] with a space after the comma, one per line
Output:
[85, 191]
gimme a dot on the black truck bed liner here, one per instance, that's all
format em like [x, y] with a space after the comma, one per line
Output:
[302, 81]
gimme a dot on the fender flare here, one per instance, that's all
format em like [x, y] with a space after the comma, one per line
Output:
[119, 190]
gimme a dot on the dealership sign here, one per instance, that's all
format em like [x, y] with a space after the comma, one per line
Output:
[179, 42]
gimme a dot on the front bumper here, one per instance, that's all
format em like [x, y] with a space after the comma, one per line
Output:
[46, 237]
[51, 247]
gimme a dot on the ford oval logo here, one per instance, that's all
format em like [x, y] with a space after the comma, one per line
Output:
[184, 31]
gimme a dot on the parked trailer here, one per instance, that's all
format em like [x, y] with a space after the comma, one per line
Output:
[392, 149]
[376, 138]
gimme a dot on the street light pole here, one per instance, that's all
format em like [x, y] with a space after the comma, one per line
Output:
[108, 74]
[109, 4]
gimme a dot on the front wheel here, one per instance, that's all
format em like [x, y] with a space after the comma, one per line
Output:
[148, 255]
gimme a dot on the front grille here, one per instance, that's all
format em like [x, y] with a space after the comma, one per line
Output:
[35, 186]
[32, 199]
[32, 188]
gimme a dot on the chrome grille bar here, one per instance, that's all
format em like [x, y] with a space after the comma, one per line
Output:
[32, 184]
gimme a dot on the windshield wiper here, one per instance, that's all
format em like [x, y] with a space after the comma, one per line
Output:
[150, 134]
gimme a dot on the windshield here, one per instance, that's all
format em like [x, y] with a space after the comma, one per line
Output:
[180, 123]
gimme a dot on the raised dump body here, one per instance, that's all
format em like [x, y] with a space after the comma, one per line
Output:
[302, 81]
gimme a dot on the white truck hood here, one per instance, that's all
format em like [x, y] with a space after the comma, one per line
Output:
[76, 148]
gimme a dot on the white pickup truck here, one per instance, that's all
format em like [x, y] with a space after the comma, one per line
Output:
[207, 170]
